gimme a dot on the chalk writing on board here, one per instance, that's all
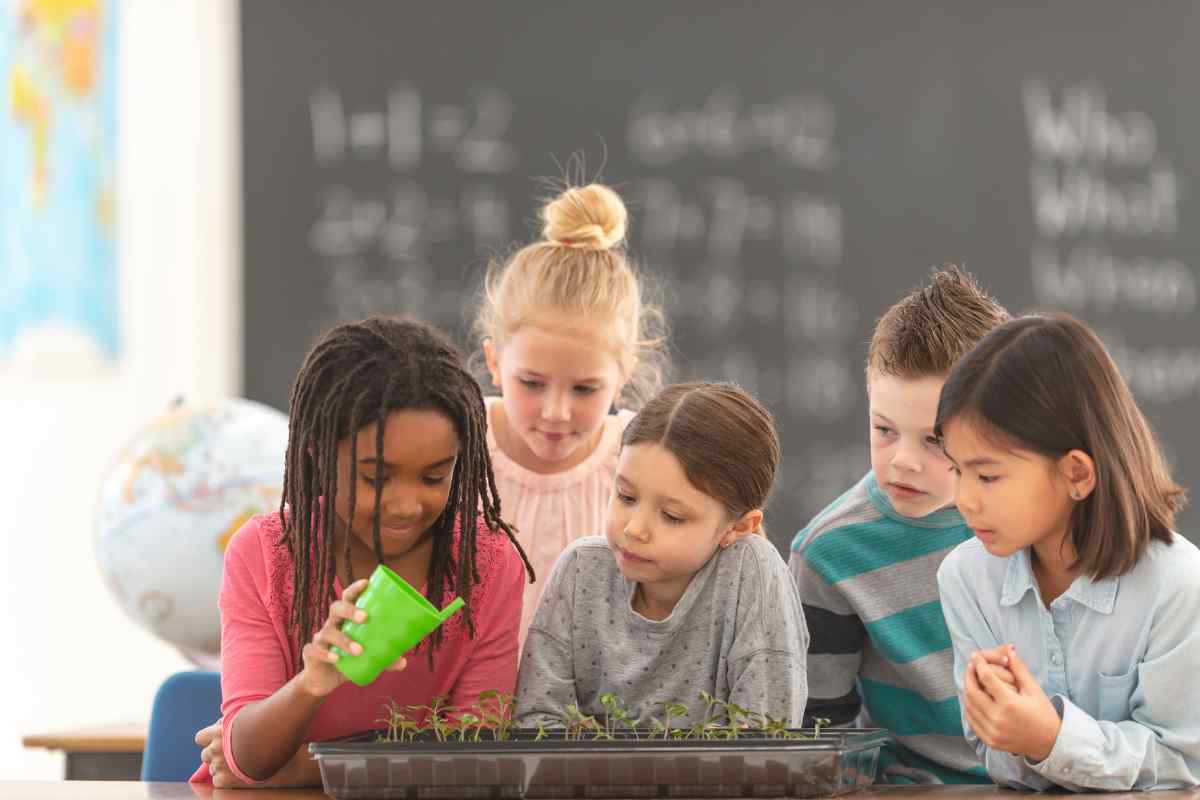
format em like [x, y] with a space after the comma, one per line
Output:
[738, 363]
[1073, 145]
[750, 244]
[1075, 200]
[1098, 178]
[1089, 277]
[357, 289]
[819, 311]
[1081, 129]
[1156, 373]
[722, 214]
[822, 386]
[408, 220]
[797, 129]
[377, 243]
[406, 128]
[812, 230]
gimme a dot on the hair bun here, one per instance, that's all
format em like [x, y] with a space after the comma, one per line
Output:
[590, 217]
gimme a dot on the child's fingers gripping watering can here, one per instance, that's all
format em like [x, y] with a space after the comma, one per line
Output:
[398, 618]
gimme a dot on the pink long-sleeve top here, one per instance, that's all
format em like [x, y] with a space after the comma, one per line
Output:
[550, 511]
[259, 653]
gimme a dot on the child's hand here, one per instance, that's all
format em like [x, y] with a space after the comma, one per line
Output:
[320, 676]
[213, 753]
[1016, 718]
[997, 659]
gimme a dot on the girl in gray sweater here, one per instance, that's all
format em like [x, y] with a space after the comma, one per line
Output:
[684, 593]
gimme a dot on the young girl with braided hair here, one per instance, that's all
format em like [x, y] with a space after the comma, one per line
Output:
[387, 463]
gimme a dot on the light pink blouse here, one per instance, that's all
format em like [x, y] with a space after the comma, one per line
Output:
[551, 511]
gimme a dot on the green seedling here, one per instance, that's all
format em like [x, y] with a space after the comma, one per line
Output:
[492, 718]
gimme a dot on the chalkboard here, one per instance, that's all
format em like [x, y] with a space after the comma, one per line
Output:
[791, 169]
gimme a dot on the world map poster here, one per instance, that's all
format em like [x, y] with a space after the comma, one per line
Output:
[58, 272]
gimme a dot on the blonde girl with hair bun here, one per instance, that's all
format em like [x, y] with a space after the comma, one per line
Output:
[574, 348]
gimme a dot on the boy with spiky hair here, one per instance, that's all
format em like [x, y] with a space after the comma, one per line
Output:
[866, 566]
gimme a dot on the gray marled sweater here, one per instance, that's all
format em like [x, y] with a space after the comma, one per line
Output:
[738, 632]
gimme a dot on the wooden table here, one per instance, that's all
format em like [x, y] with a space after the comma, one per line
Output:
[118, 790]
[111, 753]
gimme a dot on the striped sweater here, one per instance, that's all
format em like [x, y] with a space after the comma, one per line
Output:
[879, 648]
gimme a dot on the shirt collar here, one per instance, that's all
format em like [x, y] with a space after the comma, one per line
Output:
[1100, 596]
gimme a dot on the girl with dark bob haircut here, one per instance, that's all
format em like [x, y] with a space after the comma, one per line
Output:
[1072, 610]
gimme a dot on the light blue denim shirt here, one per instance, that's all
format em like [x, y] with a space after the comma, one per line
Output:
[1119, 658]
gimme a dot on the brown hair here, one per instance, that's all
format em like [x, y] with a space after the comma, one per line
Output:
[1046, 384]
[580, 271]
[355, 375]
[707, 426]
[933, 326]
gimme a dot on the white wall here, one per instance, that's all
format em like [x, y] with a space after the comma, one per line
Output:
[72, 658]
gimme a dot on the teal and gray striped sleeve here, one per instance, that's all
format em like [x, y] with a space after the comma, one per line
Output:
[836, 642]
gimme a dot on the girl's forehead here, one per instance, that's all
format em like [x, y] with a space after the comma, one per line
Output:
[410, 434]
[968, 434]
[585, 346]
[655, 470]
[967, 437]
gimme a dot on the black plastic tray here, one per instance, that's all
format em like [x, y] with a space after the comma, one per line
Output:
[836, 762]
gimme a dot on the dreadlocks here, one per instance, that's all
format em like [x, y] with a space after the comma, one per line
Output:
[356, 374]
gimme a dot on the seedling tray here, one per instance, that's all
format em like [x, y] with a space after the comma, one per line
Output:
[753, 765]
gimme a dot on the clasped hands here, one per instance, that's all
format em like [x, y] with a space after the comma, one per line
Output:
[1006, 707]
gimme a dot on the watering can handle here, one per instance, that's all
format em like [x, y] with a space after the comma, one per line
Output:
[449, 611]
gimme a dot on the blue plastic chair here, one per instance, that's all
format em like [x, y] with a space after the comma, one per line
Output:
[185, 703]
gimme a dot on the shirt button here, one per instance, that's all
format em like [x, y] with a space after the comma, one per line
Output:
[1055, 658]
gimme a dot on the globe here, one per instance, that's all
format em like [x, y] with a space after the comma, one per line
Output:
[168, 506]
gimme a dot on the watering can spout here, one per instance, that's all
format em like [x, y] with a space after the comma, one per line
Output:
[449, 611]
